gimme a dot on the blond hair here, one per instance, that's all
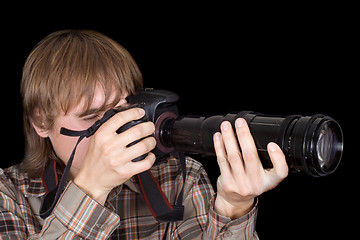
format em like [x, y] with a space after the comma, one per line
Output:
[62, 70]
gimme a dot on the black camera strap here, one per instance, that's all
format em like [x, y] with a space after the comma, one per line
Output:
[154, 197]
[156, 200]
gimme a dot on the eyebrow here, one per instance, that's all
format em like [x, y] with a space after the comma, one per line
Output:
[88, 112]
[96, 110]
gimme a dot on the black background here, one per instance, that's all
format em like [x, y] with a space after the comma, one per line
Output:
[221, 59]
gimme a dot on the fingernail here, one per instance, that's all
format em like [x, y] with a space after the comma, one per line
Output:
[272, 147]
[141, 111]
[239, 122]
[217, 136]
[225, 126]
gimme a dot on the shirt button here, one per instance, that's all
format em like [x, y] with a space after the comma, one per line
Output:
[228, 234]
[102, 227]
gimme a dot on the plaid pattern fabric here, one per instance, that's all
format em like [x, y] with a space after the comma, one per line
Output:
[124, 216]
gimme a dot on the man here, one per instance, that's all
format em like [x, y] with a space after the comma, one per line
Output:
[70, 79]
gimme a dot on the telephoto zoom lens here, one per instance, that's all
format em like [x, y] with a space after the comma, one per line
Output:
[311, 144]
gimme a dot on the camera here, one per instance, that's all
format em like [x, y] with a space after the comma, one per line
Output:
[311, 144]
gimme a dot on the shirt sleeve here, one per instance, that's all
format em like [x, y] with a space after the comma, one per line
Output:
[220, 227]
[200, 219]
[76, 216]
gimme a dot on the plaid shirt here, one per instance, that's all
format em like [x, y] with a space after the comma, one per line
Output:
[124, 216]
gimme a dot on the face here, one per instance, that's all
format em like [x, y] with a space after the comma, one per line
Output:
[64, 145]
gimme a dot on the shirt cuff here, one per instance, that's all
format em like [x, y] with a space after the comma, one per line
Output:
[224, 227]
[84, 216]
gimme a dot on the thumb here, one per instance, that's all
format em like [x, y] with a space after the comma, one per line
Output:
[277, 157]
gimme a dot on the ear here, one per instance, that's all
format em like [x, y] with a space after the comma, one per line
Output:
[39, 126]
[40, 130]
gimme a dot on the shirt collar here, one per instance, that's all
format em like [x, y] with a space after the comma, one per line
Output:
[133, 185]
[35, 188]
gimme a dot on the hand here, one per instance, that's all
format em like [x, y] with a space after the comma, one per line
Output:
[242, 174]
[108, 161]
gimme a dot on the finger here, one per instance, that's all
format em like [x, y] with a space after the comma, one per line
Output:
[137, 132]
[143, 165]
[221, 154]
[247, 144]
[231, 145]
[280, 168]
[140, 148]
[121, 118]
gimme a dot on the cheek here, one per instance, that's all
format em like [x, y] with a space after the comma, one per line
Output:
[64, 145]
[80, 153]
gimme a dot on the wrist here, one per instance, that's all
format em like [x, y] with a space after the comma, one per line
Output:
[233, 211]
[99, 195]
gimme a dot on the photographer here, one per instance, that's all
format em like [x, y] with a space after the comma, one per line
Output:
[70, 79]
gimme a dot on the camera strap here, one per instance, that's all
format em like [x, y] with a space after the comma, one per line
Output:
[156, 200]
[154, 197]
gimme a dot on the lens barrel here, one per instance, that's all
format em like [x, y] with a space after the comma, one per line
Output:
[313, 144]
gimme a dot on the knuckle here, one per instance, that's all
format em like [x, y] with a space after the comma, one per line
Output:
[152, 127]
[234, 156]
[124, 172]
[245, 192]
[126, 116]
[119, 117]
[228, 188]
[152, 142]
[105, 149]
[148, 163]
[112, 163]
[252, 189]
[148, 127]
[136, 131]
[98, 141]
[249, 155]
[148, 143]
[142, 146]
[152, 157]
[143, 129]
[222, 160]
[243, 133]
[226, 185]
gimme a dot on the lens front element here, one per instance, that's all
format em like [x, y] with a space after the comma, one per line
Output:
[329, 146]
